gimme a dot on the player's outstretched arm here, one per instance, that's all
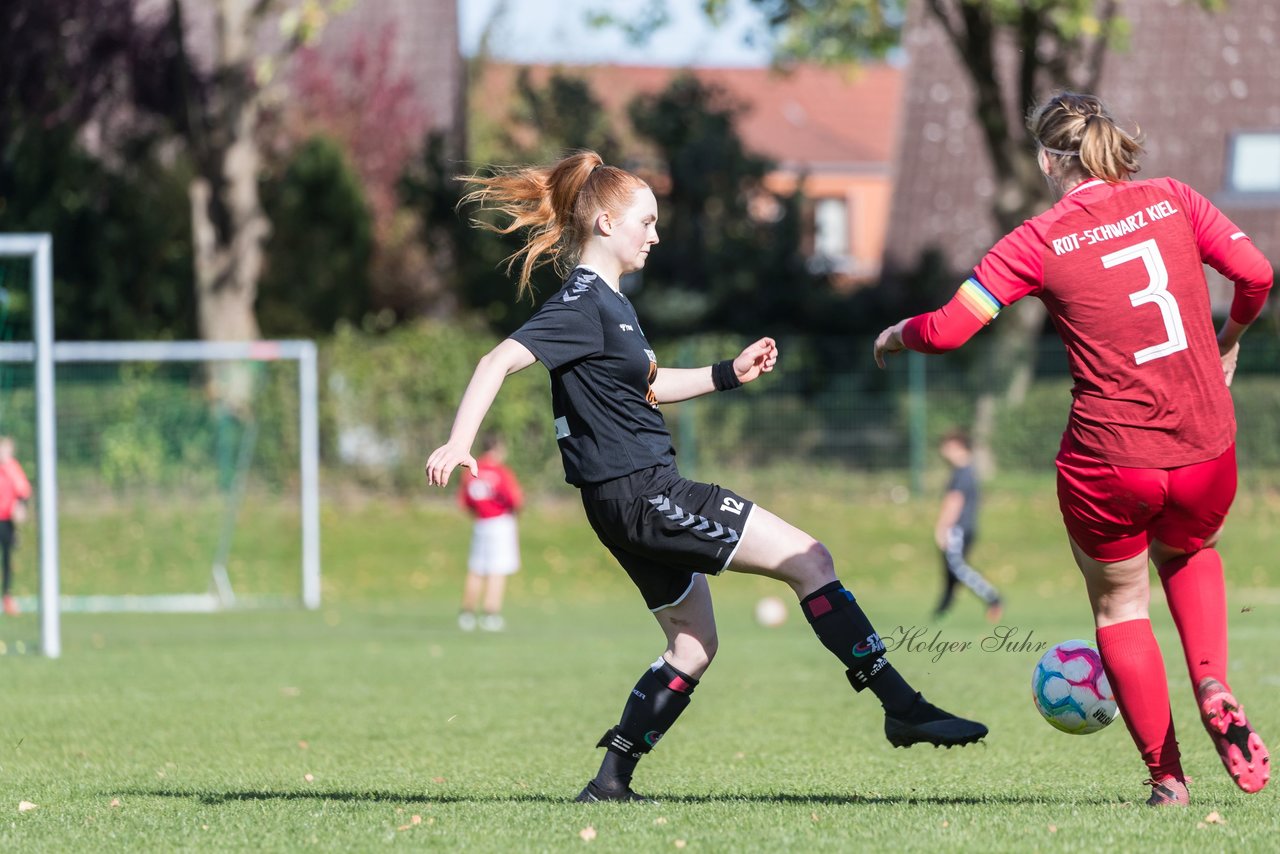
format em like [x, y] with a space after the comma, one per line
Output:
[494, 367]
[673, 385]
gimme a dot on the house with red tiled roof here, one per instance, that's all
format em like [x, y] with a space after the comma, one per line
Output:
[831, 133]
[1204, 88]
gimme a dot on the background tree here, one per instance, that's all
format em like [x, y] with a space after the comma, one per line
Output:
[76, 162]
[93, 96]
[561, 113]
[215, 107]
[356, 95]
[218, 114]
[320, 246]
[731, 249]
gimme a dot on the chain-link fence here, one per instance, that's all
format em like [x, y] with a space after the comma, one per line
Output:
[388, 400]
[857, 417]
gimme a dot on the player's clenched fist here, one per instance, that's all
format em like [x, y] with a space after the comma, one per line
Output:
[758, 358]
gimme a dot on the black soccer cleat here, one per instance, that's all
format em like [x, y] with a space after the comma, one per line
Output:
[592, 794]
[925, 722]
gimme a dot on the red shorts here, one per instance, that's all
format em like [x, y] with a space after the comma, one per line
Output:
[1114, 512]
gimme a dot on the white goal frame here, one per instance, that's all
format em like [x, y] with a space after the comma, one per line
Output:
[44, 352]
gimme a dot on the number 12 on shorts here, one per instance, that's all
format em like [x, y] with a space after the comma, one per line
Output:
[1156, 291]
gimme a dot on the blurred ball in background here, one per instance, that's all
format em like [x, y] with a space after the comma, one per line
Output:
[771, 611]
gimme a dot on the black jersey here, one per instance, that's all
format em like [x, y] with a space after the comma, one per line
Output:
[607, 421]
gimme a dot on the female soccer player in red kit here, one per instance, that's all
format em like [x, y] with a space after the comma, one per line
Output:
[1147, 467]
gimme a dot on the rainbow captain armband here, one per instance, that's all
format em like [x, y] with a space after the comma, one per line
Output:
[978, 300]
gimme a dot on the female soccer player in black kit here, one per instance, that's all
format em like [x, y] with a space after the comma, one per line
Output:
[598, 223]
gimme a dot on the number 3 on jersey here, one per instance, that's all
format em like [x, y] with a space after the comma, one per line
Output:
[1156, 291]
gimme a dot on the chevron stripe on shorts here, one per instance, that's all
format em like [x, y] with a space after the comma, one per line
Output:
[700, 525]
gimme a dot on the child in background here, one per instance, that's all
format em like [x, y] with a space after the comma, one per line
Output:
[957, 528]
[14, 492]
[493, 499]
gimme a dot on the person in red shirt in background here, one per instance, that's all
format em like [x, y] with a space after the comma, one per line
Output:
[1147, 468]
[493, 499]
[15, 490]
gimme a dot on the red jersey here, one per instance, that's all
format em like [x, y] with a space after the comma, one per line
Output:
[496, 492]
[14, 487]
[1120, 268]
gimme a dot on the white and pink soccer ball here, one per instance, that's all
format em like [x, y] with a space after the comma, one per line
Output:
[1070, 688]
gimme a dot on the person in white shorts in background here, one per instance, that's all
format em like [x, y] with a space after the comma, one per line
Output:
[493, 498]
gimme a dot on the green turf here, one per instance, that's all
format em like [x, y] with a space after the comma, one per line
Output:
[160, 733]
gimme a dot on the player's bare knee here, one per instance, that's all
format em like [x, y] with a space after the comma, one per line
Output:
[812, 568]
[710, 646]
[693, 656]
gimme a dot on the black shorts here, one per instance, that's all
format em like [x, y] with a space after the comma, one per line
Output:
[664, 529]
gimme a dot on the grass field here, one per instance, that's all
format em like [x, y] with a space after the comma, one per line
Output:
[375, 723]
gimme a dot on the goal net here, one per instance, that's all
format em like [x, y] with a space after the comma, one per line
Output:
[169, 476]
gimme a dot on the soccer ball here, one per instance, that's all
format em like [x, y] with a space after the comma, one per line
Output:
[771, 611]
[1071, 690]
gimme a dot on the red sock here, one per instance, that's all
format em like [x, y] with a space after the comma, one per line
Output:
[1132, 660]
[1197, 597]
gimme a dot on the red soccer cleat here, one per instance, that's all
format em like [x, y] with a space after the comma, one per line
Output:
[1241, 749]
[1168, 792]
[11, 606]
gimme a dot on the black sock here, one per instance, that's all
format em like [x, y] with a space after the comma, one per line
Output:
[657, 700]
[845, 630]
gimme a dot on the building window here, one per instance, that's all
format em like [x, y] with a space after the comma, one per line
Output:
[1254, 164]
[831, 251]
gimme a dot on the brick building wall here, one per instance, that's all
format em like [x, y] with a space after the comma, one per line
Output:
[425, 46]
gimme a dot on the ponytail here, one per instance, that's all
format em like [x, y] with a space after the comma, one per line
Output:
[1082, 137]
[1106, 151]
[555, 205]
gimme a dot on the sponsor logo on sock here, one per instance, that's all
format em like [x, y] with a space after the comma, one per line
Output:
[651, 737]
[864, 676]
[871, 645]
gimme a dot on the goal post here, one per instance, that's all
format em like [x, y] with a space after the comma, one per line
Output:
[158, 394]
[203, 352]
[39, 249]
